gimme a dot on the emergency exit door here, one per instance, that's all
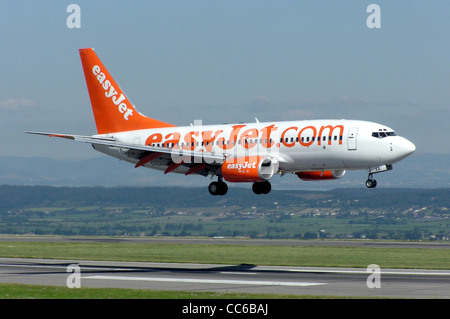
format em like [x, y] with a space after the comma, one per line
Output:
[351, 138]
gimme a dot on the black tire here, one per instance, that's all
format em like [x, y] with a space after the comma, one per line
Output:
[223, 188]
[266, 187]
[256, 187]
[214, 188]
[261, 187]
[371, 183]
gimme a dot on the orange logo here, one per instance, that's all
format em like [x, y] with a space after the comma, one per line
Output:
[248, 138]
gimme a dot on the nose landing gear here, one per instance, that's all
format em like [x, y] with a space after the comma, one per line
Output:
[371, 183]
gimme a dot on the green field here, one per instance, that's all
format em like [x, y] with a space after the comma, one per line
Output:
[15, 291]
[234, 254]
[391, 214]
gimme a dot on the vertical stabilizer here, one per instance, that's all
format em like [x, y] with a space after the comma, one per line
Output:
[113, 112]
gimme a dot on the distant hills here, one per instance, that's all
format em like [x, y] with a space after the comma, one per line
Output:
[417, 171]
[384, 213]
[386, 199]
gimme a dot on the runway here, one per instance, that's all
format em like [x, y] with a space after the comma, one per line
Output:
[300, 281]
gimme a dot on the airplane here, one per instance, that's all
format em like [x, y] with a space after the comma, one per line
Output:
[314, 150]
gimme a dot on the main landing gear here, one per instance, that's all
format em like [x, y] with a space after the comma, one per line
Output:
[261, 187]
[221, 188]
[218, 188]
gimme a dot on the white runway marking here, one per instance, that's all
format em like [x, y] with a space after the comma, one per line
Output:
[364, 271]
[237, 273]
[210, 281]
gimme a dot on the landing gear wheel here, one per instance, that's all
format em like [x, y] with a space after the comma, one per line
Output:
[223, 188]
[213, 188]
[371, 183]
[261, 187]
[256, 189]
[218, 188]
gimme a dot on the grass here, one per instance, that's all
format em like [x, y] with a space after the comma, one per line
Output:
[234, 254]
[19, 291]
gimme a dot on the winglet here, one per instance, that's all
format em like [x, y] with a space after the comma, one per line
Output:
[113, 111]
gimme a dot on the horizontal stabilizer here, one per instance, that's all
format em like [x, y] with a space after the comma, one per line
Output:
[109, 141]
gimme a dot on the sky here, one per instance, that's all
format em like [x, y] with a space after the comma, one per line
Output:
[225, 61]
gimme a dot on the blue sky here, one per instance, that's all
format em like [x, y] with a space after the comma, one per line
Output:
[226, 61]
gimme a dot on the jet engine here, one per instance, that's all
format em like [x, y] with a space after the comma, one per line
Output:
[249, 169]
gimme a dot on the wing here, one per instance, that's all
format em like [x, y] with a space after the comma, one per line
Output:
[196, 162]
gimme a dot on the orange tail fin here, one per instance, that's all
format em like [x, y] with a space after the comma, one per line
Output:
[113, 112]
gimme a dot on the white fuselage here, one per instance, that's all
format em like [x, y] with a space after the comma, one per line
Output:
[297, 145]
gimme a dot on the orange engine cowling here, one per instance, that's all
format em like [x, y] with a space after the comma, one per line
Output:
[320, 175]
[249, 169]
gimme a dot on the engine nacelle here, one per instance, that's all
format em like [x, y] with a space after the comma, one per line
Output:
[321, 175]
[249, 169]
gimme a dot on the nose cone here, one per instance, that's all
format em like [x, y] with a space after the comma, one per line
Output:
[404, 148]
[409, 147]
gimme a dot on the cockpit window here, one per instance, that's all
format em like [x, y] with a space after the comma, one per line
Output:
[383, 133]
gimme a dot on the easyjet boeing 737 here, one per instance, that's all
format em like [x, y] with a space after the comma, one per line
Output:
[247, 152]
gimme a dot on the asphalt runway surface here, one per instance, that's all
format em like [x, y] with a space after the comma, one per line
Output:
[344, 282]
[301, 281]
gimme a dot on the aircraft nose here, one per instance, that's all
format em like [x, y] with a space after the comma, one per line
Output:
[406, 147]
[409, 147]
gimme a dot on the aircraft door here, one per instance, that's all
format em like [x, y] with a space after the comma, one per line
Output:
[351, 138]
